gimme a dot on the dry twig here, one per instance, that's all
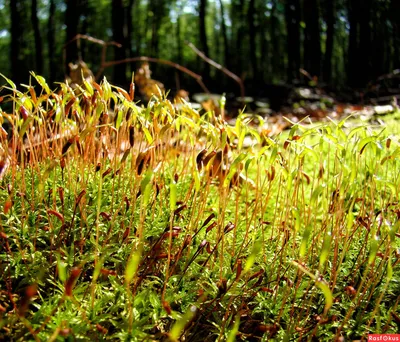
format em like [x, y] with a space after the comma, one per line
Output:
[105, 64]
[219, 67]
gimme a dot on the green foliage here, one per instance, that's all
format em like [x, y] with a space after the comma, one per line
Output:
[130, 222]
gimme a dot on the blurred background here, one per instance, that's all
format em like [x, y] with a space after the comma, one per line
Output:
[341, 45]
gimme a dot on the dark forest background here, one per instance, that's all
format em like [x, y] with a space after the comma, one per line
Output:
[342, 43]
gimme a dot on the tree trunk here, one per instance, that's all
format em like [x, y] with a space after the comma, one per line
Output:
[16, 31]
[312, 37]
[359, 66]
[72, 17]
[51, 41]
[364, 51]
[117, 18]
[38, 38]
[330, 19]
[203, 37]
[84, 46]
[395, 20]
[158, 9]
[129, 30]
[227, 57]
[352, 64]
[277, 57]
[178, 37]
[292, 18]
[380, 41]
[237, 15]
[139, 33]
[264, 58]
[217, 43]
[252, 38]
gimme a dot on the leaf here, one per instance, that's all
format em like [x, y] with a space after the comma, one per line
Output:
[123, 93]
[233, 168]
[235, 329]
[133, 264]
[196, 176]
[119, 119]
[148, 136]
[97, 269]
[61, 269]
[180, 324]
[364, 142]
[373, 250]
[304, 240]
[326, 247]
[323, 286]
[88, 86]
[41, 80]
[106, 89]
[252, 257]
[11, 83]
[172, 195]
[25, 126]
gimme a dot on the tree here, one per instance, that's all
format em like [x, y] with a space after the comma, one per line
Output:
[292, 18]
[312, 37]
[352, 65]
[359, 42]
[72, 18]
[264, 39]
[252, 38]
[238, 32]
[225, 36]
[38, 38]
[51, 40]
[129, 29]
[330, 18]
[380, 40]
[203, 36]
[278, 56]
[117, 19]
[18, 63]
[158, 11]
[179, 9]
[395, 21]
[365, 37]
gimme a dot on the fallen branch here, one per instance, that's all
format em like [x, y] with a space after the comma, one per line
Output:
[219, 67]
[197, 77]
[78, 38]
[105, 64]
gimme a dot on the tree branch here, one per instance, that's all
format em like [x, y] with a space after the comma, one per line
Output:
[197, 77]
[104, 64]
[219, 67]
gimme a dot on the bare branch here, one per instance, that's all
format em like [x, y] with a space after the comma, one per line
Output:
[78, 38]
[219, 67]
[197, 77]
[93, 40]
[104, 64]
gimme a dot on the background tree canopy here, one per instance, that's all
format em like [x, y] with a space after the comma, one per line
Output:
[340, 42]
